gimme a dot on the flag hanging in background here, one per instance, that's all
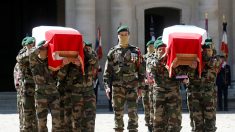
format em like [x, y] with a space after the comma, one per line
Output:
[206, 24]
[224, 43]
[151, 30]
[98, 45]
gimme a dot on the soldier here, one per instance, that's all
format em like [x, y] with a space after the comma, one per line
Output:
[201, 92]
[17, 78]
[166, 95]
[18, 86]
[147, 97]
[223, 80]
[28, 86]
[83, 97]
[46, 93]
[65, 96]
[124, 67]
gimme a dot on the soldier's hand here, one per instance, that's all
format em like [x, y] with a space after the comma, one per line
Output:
[66, 61]
[77, 62]
[107, 91]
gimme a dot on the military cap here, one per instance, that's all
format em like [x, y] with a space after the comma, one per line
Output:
[24, 40]
[150, 42]
[123, 28]
[30, 40]
[87, 43]
[159, 42]
[208, 44]
[41, 43]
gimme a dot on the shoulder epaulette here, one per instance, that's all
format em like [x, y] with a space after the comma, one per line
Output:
[111, 51]
[22, 50]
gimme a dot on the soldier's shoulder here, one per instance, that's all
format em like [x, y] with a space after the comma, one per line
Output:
[147, 55]
[17, 64]
[134, 48]
[22, 50]
[16, 67]
[93, 52]
[112, 50]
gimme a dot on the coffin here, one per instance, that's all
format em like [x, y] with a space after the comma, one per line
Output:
[184, 46]
[63, 42]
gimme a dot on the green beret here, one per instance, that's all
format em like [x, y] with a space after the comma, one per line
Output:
[87, 43]
[123, 28]
[208, 44]
[40, 44]
[24, 40]
[30, 40]
[150, 42]
[158, 43]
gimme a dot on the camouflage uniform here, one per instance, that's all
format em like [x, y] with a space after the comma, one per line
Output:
[189, 101]
[28, 90]
[65, 98]
[201, 97]
[82, 97]
[46, 93]
[147, 94]
[17, 81]
[124, 66]
[166, 98]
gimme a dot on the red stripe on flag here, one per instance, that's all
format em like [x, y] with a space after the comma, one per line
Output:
[206, 26]
[224, 43]
[98, 47]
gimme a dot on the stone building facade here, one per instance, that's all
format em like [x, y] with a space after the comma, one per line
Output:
[88, 15]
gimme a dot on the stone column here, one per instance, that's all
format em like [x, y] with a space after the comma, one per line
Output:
[121, 13]
[70, 13]
[80, 14]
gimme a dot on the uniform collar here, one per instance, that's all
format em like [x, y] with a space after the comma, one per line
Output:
[129, 46]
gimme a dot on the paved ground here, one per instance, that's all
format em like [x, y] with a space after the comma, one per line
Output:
[104, 122]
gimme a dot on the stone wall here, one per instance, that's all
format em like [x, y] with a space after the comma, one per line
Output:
[87, 15]
[185, 6]
[80, 14]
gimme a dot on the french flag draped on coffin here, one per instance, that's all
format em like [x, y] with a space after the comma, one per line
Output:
[62, 42]
[184, 45]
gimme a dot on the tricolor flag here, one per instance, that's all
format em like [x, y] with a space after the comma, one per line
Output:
[224, 43]
[98, 45]
[151, 30]
[206, 24]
